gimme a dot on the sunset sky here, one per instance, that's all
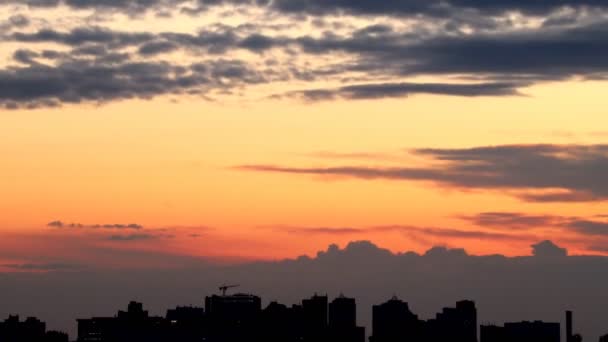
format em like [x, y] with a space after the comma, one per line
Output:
[241, 130]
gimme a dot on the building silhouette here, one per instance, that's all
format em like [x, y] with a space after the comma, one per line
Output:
[187, 324]
[343, 321]
[394, 322]
[240, 317]
[233, 317]
[536, 331]
[31, 330]
[570, 336]
[132, 325]
[454, 324]
[315, 318]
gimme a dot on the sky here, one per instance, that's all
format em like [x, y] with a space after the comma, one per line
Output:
[161, 135]
[243, 130]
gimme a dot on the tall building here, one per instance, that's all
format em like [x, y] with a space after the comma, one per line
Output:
[314, 318]
[343, 313]
[343, 321]
[315, 311]
[233, 317]
[394, 322]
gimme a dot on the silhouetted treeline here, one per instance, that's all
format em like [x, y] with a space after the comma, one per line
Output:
[240, 318]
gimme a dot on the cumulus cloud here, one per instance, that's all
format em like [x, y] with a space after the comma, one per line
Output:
[539, 286]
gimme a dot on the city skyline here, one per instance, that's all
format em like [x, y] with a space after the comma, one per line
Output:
[239, 316]
[537, 287]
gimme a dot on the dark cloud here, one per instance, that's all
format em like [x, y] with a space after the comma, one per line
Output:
[521, 221]
[383, 90]
[132, 237]
[424, 7]
[589, 227]
[154, 48]
[532, 55]
[502, 63]
[412, 8]
[215, 39]
[110, 77]
[83, 35]
[548, 249]
[57, 224]
[468, 42]
[323, 230]
[513, 220]
[577, 171]
[60, 224]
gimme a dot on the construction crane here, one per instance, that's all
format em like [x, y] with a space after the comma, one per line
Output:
[225, 287]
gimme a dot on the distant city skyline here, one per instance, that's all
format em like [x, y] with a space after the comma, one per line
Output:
[239, 316]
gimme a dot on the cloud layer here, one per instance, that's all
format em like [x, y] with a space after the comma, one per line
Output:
[473, 48]
[576, 171]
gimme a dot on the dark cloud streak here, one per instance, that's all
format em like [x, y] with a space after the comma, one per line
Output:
[576, 170]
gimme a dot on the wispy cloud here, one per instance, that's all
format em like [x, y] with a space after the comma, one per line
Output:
[577, 171]
[61, 224]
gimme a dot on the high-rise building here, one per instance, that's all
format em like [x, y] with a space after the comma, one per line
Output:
[343, 313]
[343, 321]
[314, 318]
[315, 311]
[394, 322]
[233, 318]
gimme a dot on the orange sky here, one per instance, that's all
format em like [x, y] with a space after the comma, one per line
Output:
[169, 164]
